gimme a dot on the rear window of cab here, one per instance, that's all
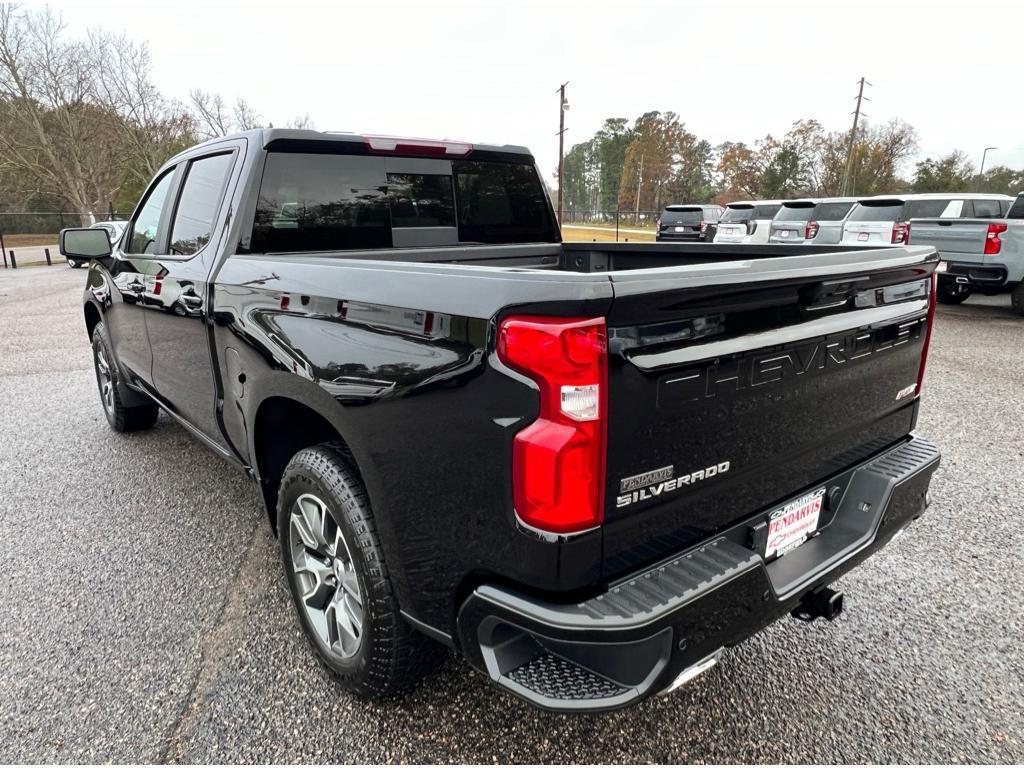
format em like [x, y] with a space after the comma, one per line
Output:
[334, 202]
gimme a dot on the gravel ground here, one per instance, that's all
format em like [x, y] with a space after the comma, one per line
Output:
[144, 617]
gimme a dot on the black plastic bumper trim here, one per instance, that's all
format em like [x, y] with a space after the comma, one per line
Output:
[641, 633]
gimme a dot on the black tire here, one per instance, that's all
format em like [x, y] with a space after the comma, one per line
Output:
[121, 417]
[947, 293]
[1017, 299]
[390, 656]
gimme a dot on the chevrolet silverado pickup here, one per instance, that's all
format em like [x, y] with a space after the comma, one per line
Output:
[588, 468]
[984, 252]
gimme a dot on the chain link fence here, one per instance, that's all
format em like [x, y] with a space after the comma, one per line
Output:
[30, 237]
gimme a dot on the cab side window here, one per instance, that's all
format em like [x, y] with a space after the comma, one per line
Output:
[145, 228]
[199, 203]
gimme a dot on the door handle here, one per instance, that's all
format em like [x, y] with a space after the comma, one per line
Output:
[191, 299]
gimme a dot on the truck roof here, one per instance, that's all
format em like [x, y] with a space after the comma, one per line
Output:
[264, 137]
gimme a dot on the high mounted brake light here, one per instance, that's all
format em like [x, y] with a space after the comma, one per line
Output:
[558, 460]
[403, 146]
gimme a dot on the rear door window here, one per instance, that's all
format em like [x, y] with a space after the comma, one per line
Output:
[199, 203]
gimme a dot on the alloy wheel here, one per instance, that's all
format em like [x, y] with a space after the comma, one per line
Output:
[325, 576]
[105, 378]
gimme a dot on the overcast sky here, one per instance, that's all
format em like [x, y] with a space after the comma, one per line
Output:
[488, 71]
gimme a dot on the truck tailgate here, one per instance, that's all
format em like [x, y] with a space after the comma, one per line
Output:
[735, 386]
[951, 236]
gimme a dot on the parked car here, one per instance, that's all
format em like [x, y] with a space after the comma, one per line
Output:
[586, 467]
[748, 221]
[114, 230]
[983, 252]
[812, 222]
[681, 223]
[883, 219]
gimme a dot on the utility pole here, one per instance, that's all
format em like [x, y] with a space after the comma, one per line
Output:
[981, 171]
[853, 136]
[639, 181]
[563, 106]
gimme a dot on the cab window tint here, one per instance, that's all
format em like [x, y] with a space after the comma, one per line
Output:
[987, 209]
[145, 234]
[199, 203]
[312, 202]
[421, 200]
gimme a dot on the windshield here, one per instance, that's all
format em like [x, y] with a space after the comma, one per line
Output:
[738, 215]
[888, 210]
[688, 216]
[795, 212]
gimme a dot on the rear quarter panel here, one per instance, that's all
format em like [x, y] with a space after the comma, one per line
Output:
[424, 407]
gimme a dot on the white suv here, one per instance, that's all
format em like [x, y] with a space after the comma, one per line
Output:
[748, 221]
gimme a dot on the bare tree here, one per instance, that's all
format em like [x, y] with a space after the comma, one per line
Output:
[79, 119]
[211, 113]
[246, 117]
[151, 127]
[214, 118]
[54, 139]
[304, 123]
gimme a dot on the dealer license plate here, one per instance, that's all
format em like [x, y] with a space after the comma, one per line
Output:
[862, 236]
[784, 233]
[791, 525]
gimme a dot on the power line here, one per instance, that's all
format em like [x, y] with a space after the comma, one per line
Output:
[563, 105]
[847, 186]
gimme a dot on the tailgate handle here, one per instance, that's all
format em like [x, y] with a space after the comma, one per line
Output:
[827, 295]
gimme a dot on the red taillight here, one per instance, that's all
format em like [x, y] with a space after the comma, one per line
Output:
[558, 460]
[396, 145]
[932, 285]
[811, 230]
[992, 241]
[900, 232]
[703, 226]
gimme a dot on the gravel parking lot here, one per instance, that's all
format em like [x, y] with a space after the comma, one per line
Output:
[144, 617]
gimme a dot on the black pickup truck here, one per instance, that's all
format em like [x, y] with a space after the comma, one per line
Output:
[587, 467]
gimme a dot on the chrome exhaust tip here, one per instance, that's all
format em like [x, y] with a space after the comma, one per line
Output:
[693, 671]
